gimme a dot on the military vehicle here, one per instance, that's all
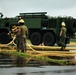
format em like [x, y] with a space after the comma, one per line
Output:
[42, 28]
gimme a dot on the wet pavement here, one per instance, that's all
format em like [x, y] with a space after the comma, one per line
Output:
[41, 70]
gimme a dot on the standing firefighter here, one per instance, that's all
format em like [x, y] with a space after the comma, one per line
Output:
[63, 35]
[21, 39]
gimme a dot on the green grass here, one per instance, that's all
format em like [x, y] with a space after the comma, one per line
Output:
[39, 58]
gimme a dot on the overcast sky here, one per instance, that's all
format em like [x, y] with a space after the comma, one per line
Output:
[12, 8]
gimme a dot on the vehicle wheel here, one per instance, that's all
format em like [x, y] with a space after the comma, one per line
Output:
[35, 38]
[49, 39]
[71, 26]
[4, 38]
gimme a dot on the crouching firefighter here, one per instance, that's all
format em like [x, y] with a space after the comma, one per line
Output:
[13, 34]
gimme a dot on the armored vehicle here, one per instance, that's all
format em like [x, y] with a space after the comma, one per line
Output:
[42, 28]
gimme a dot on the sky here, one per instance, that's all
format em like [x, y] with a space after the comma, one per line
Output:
[12, 8]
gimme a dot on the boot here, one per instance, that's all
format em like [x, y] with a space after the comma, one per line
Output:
[62, 48]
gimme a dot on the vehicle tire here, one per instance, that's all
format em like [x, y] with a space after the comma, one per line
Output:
[49, 39]
[71, 26]
[4, 38]
[35, 38]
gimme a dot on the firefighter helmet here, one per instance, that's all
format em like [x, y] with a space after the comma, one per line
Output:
[63, 24]
[21, 21]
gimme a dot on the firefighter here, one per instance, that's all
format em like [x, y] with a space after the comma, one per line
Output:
[63, 35]
[13, 30]
[21, 39]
